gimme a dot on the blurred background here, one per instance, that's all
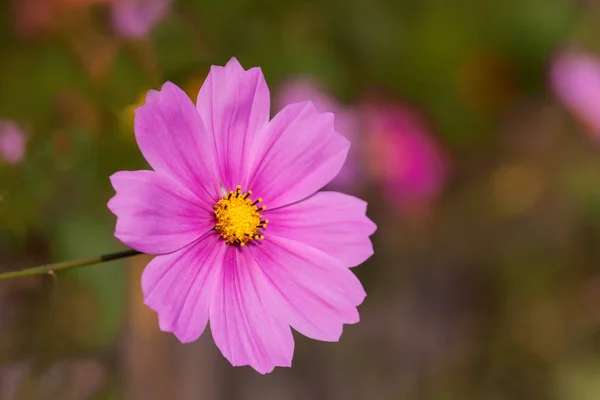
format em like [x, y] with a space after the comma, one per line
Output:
[475, 132]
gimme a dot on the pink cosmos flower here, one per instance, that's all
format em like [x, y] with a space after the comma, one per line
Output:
[404, 156]
[12, 143]
[346, 122]
[575, 77]
[136, 18]
[232, 212]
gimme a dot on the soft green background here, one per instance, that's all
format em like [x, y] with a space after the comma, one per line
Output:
[495, 296]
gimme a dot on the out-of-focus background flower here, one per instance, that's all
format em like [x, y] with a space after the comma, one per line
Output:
[475, 132]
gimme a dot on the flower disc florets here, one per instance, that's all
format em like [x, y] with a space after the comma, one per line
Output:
[238, 217]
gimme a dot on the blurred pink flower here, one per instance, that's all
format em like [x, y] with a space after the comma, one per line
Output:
[346, 123]
[136, 18]
[12, 143]
[404, 157]
[575, 78]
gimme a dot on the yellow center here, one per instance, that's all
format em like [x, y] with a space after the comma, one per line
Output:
[238, 217]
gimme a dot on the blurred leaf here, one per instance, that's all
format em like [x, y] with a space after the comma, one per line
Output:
[175, 46]
[81, 236]
[47, 70]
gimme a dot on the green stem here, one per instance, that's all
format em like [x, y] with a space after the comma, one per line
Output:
[52, 268]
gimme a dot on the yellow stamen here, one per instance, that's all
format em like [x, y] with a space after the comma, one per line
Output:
[238, 218]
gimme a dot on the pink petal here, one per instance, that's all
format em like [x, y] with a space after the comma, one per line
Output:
[300, 153]
[316, 293]
[331, 222]
[178, 286]
[245, 326]
[155, 214]
[306, 88]
[234, 105]
[173, 139]
[136, 18]
[12, 143]
[576, 80]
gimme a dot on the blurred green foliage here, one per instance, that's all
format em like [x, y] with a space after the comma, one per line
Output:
[511, 283]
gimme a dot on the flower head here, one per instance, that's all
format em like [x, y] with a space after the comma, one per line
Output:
[346, 122]
[12, 143]
[232, 212]
[136, 18]
[406, 160]
[576, 81]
